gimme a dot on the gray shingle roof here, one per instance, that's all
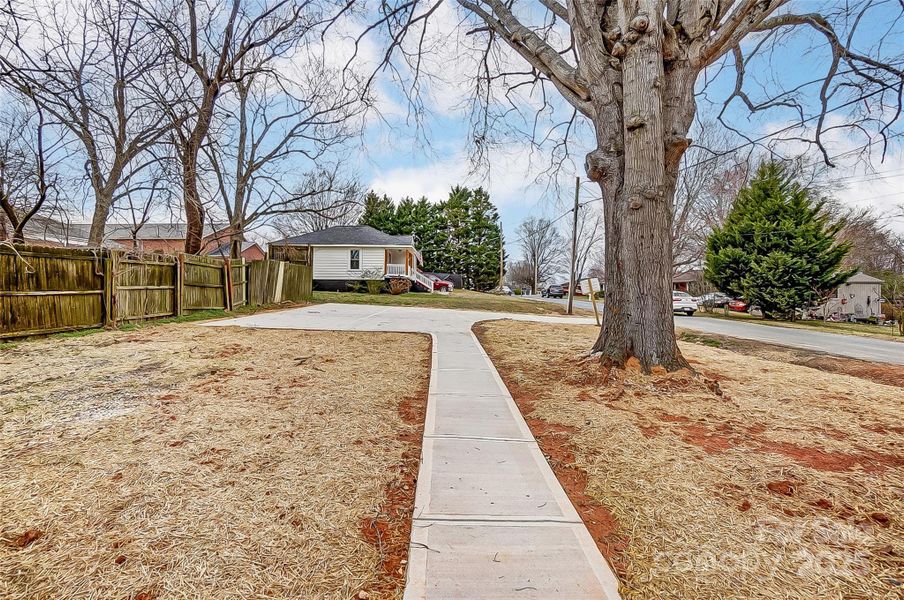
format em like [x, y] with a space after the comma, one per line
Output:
[348, 235]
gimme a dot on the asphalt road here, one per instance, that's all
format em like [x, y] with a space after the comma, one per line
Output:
[854, 346]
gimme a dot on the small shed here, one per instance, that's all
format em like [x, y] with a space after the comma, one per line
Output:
[858, 297]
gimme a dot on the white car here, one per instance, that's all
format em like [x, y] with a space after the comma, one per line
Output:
[684, 303]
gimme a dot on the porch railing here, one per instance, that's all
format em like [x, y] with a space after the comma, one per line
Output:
[396, 270]
[423, 280]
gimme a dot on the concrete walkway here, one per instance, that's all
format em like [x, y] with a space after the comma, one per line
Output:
[490, 518]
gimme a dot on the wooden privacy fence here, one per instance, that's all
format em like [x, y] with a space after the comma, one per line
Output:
[46, 290]
[273, 281]
[49, 290]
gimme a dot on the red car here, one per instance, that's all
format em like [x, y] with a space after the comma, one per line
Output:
[577, 289]
[439, 284]
[737, 305]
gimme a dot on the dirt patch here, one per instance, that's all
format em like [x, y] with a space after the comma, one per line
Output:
[798, 467]
[390, 530]
[205, 462]
[555, 441]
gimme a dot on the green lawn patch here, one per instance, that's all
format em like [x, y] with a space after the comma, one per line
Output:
[459, 299]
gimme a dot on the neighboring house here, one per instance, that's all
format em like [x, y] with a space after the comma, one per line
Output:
[250, 251]
[858, 297]
[350, 253]
[164, 237]
[47, 231]
[682, 281]
[150, 237]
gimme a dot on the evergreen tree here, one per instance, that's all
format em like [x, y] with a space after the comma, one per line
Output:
[431, 234]
[474, 237]
[461, 235]
[777, 248]
[403, 221]
[379, 213]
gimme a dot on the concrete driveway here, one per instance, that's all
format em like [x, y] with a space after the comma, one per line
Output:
[490, 519]
[853, 346]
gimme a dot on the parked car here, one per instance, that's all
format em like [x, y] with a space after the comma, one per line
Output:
[738, 305]
[577, 289]
[439, 284]
[714, 299]
[553, 291]
[682, 302]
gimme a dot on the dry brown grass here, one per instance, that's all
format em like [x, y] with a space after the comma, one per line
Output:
[191, 462]
[765, 480]
[887, 373]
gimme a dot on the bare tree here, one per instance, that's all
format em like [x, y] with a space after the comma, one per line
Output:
[220, 45]
[29, 179]
[519, 274]
[269, 154]
[631, 70]
[542, 247]
[320, 211]
[95, 69]
[874, 247]
[589, 236]
[704, 195]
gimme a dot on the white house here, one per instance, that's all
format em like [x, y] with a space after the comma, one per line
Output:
[859, 297]
[349, 253]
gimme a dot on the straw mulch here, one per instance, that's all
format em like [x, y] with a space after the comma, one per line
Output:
[887, 373]
[189, 462]
[760, 479]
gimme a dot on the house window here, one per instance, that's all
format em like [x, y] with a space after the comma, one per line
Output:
[354, 260]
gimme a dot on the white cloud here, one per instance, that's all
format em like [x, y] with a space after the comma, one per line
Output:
[511, 178]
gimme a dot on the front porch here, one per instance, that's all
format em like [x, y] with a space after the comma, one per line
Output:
[403, 262]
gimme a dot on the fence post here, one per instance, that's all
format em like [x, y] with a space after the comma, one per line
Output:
[278, 291]
[109, 294]
[179, 291]
[227, 281]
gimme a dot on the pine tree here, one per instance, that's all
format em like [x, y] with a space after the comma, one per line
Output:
[379, 213]
[403, 221]
[474, 237]
[460, 235]
[431, 234]
[778, 247]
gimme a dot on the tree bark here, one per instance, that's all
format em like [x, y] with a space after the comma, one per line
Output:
[637, 318]
[194, 210]
[103, 201]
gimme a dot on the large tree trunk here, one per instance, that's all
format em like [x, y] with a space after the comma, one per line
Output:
[103, 201]
[638, 193]
[194, 210]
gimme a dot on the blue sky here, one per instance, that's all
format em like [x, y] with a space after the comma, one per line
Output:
[400, 162]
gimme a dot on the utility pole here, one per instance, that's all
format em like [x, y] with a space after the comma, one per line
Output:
[574, 246]
[501, 262]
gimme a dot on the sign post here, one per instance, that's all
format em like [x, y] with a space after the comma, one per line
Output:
[593, 284]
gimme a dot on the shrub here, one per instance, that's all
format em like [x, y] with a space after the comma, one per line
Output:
[354, 286]
[399, 286]
[373, 278]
